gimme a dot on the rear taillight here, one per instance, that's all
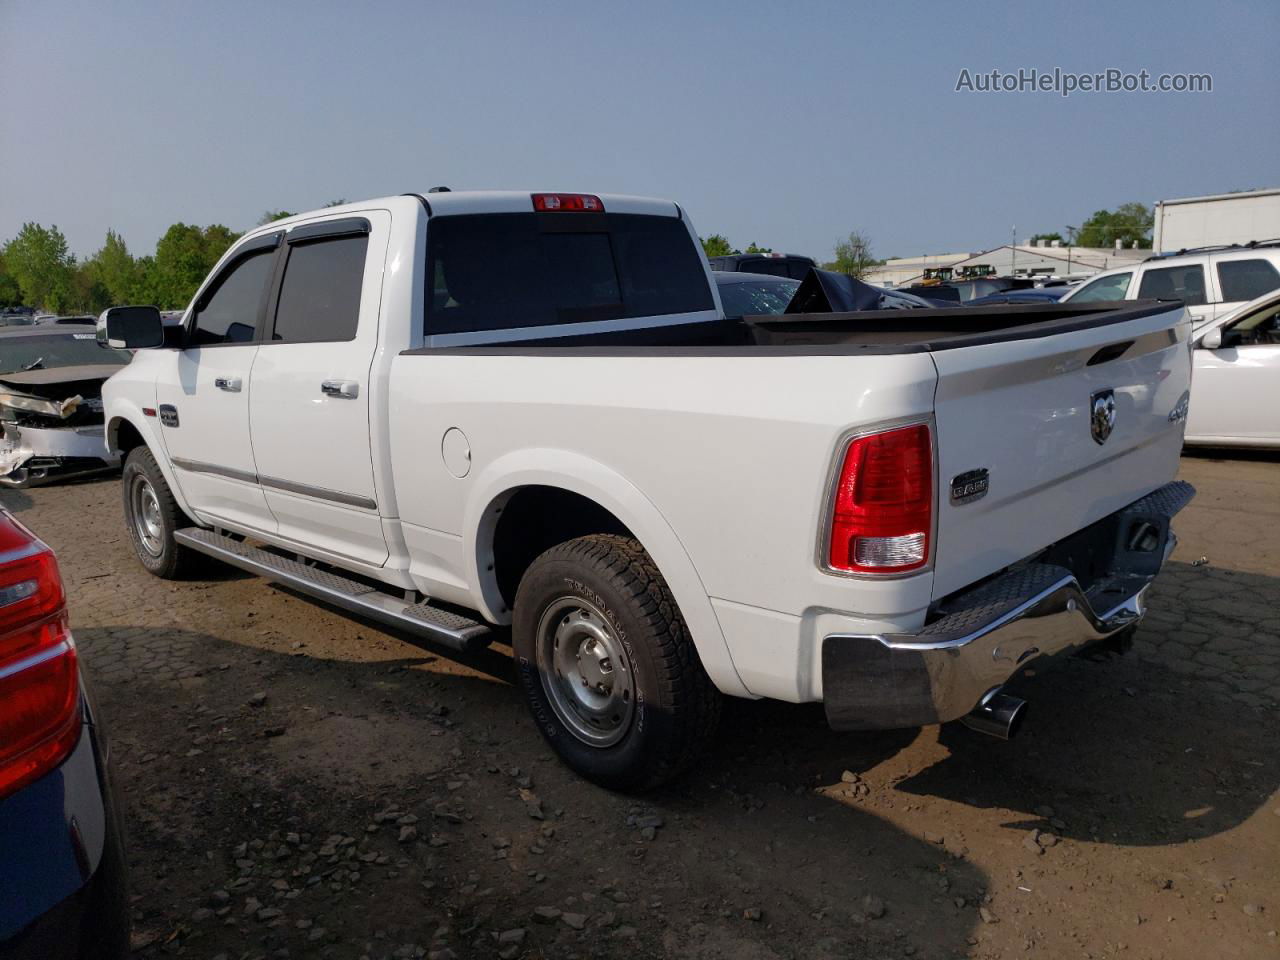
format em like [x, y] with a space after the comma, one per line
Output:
[567, 201]
[882, 512]
[39, 681]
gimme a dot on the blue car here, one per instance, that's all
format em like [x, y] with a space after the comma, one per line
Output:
[63, 890]
[1027, 295]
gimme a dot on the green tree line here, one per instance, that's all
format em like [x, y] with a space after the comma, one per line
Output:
[1129, 223]
[852, 255]
[37, 270]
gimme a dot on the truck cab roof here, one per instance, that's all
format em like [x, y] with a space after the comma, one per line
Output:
[454, 202]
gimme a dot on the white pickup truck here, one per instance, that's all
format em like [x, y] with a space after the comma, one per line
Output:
[508, 415]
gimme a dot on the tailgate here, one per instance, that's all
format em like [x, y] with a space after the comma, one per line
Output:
[1023, 410]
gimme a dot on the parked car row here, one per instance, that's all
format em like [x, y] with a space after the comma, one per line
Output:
[1211, 282]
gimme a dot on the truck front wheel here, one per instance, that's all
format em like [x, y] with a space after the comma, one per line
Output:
[152, 516]
[607, 666]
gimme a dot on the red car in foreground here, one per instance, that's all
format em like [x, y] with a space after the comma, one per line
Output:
[63, 891]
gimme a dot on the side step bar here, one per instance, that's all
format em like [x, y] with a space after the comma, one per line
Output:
[442, 626]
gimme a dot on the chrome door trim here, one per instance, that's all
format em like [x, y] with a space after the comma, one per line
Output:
[320, 493]
[276, 483]
[198, 466]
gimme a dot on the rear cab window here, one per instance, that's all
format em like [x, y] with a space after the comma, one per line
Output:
[498, 271]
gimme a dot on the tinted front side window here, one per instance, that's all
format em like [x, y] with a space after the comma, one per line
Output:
[1104, 288]
[511, 270]
[1174, 283]
[1246, 279]
[320, 293]
[230, 313]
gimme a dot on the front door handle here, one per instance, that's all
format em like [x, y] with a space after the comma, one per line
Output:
[344, 389]
[229, 384]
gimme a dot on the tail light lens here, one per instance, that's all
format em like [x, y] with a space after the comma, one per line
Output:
[882, 514]
[585, 202]
[39, 677]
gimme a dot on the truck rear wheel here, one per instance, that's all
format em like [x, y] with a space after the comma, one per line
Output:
[152, 516]
[607, 666]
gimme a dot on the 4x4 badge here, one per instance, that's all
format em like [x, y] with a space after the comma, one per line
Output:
[168, 414]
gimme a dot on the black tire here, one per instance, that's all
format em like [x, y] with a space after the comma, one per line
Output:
[609, 590]
[159, 553]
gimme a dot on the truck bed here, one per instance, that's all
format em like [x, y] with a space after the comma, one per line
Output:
[861, 332]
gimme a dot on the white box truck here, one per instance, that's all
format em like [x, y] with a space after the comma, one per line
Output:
[1219, 220]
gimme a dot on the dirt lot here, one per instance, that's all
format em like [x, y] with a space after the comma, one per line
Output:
[302, 784]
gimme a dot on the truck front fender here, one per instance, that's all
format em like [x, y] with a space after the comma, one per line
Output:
[125, 411]
[589, 478]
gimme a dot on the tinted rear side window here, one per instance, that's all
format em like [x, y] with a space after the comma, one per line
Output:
[320, 293]
[1173, 283]
[510, 270]
[1246, 279]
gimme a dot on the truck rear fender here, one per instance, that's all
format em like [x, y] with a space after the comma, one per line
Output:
[592, 480]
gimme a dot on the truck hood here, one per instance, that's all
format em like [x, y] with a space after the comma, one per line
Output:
[70, 396]
[37, 381]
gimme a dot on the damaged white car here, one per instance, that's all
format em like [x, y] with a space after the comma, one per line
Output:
[51, 403]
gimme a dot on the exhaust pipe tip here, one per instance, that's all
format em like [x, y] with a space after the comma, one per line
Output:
[999, 715]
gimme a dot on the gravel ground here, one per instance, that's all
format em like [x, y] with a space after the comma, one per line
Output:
[301, 784]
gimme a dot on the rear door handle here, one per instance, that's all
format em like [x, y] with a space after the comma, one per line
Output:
[229, 384]
[345, 389]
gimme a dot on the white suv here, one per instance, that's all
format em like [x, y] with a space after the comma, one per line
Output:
[1211, 282]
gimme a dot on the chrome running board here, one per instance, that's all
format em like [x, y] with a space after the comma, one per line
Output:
[424, 619]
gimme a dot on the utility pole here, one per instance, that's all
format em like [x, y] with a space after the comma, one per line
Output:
[1013, 249]
[1071, 236]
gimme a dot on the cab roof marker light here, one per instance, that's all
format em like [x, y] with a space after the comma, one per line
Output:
[567, 202]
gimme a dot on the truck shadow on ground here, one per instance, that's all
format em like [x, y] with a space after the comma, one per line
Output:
[782, 815]
[1162, 745]
[744, 833]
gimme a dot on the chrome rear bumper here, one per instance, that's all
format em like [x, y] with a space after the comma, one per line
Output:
[991, 633]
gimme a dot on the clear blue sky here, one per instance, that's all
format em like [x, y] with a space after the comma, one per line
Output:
[785, 123]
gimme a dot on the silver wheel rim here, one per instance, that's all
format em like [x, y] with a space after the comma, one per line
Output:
[145, 507]
[585, 672]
